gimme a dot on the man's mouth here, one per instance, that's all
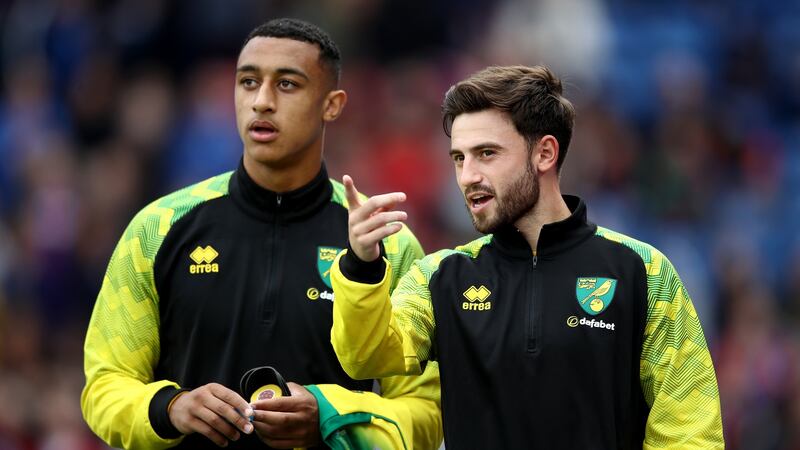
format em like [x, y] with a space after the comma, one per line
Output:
[262, 131]
[478, 201]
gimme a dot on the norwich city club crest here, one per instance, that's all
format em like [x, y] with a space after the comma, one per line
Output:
[595, 294]
[325, 257]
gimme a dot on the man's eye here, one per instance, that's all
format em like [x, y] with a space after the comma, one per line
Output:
[248, 82]
[487, 153]
[287, 84]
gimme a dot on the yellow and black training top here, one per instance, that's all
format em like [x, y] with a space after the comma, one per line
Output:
[224, 276]
[591, 342]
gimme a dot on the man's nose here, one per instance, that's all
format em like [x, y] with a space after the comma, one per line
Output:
[265, 99]
[469, 174]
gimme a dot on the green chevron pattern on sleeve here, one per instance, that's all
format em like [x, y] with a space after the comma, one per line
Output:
[339, 195]
[676, 370]
[402, 249]
[412, 298]
[122, 343]
[130, 271]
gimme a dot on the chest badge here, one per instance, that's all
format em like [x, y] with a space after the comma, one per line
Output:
[325, 257]
[594, 294]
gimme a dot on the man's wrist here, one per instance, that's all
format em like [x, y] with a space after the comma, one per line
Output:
[172, 402]
[358, 270]
[158, 411]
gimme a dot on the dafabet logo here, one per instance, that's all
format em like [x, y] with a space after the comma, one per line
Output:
[573, 321]
[313, 294]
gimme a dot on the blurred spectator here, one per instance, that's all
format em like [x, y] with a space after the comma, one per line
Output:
[29, 115]
[687, 116]
[91, 97]
[756, 368]
[205, 141]
[571, 36]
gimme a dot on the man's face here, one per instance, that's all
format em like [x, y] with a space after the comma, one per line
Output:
[493, 169]
[280, 95]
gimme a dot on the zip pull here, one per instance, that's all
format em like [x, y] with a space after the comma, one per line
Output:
[279, 198]
[531, 324]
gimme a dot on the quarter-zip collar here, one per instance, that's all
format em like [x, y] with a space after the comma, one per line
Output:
[554, 238]
[265, 204]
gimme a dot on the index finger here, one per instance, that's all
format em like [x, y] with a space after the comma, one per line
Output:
[376, 204]
[279, 422]
[243, 411]
[280, 404]
[350, 192]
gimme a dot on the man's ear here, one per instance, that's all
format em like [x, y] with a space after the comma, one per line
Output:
[545, 154]
[334, 104]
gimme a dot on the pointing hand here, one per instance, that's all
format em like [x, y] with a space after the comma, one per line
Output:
[372, 220]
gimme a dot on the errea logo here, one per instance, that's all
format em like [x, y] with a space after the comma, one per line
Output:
[477, 299]
[204, 260]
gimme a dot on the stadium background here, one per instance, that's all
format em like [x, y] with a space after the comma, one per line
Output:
[688, 136]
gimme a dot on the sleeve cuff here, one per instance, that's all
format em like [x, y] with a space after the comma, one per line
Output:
[159, 416]
[354, 269]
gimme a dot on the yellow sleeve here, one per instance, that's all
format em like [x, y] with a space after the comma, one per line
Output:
[677, 374]
[405, 416]
[370, 338]
[421, 395]
[402, 250]
[122, 344]
[122, 348]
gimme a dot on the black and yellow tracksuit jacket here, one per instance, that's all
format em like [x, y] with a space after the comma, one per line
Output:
[224, 276]
[590, 342]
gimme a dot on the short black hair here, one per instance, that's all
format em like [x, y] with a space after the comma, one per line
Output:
[300, 30]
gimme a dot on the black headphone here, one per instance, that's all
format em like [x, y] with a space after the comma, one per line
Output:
[263, 382]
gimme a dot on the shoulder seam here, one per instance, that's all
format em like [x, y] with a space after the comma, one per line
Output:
[338, 196]
[159, 216]
[629, 243]
[445, 254]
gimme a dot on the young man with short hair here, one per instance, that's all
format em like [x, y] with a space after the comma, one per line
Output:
[232, 273]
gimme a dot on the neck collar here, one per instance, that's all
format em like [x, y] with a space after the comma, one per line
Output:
[554, 238]
[267, 205]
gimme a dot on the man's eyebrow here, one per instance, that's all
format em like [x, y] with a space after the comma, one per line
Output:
[291, 71]
[483, 145]
[247, 68]
[279, 70]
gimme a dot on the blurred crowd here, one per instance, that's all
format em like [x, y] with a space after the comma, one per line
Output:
[687, 137]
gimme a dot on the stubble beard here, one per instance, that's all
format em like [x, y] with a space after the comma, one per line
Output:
[521, 196]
